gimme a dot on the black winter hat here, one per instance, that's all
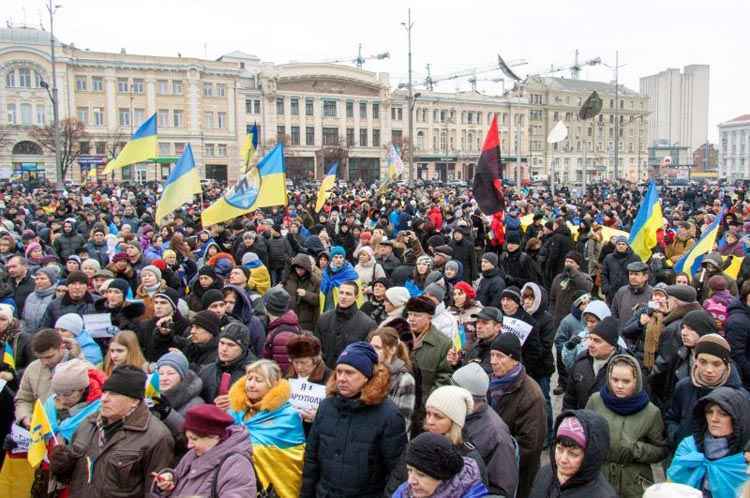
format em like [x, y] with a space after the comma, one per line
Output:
[608, 329]
[211, 296]
[127, 380]
[512, 293]
[170, 295]
[421, 304]
[508, 344]
[513, 238]
[208, 321]
[236, 332]
[701, 322]
[574, 256]
[208, 271]
[120, 284]
[434, 455]
[276, 301]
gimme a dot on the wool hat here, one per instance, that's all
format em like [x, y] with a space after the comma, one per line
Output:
[223, 267]
[435, 290]
[574, 256]
[452, 401]
[207, 271]
[435, 456]
[579, 297]
[508, 344]
[208, 321]
[50, 272]
[104, 273]
[276, 301]
[397, 296]
[77, 277]
[453, 266]
[421, 304]
[75, 258]
[473, 378]
[489, 313]
[170, 295]
[608, 329]
[685, 293]
[491, 258]
[701, 321]
[425, 260]
[513, 238]
[467, 289]
[72, 322]
[207, 420]
[249, 258]
[337, 251]
[620, 238]
[661, 288]
[360, 355]
[512, 293]
[572, 428]
[714, 344]
[154, 270]
[718, 283]
[210, 297]
[236, 332]
[127, 380]
[72, 375]
[31, 248]
[120, 256]
[176, 360]
[303, 346]
[120, 284]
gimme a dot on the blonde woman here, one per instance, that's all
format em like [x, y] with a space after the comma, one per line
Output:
[124, 349]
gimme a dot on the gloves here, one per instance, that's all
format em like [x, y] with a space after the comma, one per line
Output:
[62, 462]
[573, 342]
[161, 408]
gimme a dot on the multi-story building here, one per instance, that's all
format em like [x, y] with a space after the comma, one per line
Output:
[734, 148]
[622, 120]
[705, 158]
[678, 103]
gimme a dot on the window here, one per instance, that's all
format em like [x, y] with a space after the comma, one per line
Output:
[124, 117]
[295, 133]
[26, 114]
[138, 86]
[363, 110]
[84, 147]
[350, 109]
[279, 105]
[309, 107]
[209, 150]
[330, 135]
[280, 132]
[24, 77]
[177, 118]
[12, 114]
[163, 87]
[165, 149]
[162, 118]
[81, 83]
[329, 109]
[97, 84]
[294, 106]
[375, 110]
[98, 116]
[350, 137]
[221, 89]
[122, 85]
[256, 106]
[375, 137]
[221, 150]
[139, 116]
[248, 106]
[397, 113]
[41, 115]
[208, 119]
[309, 135]
[100, 147]
[83, 114]
[363, 137]
[176, 87]
[396, 136]
[221, 120]
[208, 89]
[179, 148]
[10, 79]
[420, 140]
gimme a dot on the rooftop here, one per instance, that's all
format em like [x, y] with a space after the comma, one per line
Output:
[24, 35]
[569, 85]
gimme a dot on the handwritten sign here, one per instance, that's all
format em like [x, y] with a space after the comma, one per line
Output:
[517, 327]
[306, 395]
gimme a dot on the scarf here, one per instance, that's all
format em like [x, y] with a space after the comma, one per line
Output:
[699, 381]
[624, 406]
[152, 289]
[651, 341]
[715, 447]
[500, 385]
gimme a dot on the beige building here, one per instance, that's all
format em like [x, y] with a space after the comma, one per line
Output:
[734, 148]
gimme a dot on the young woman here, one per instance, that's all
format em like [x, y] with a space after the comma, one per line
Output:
[124, 350]
[463, 308]
[417, 282]
[636, 429]
[374, 307]
[394, 355]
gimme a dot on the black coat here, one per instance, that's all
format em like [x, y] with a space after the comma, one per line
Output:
[737, 330]
[211, 375]
[491, 286]
[154, 343]
[615, 273]
[545, 331]
[582, 381]
[556, 246]
[279, 253]
[63, 305]
[519, 268]
[389, 263]
[21, 291]
[338, 328]
[463, 251]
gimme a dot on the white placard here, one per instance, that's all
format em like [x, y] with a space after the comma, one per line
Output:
[306, 395]
[21, 437]
[517, 327]
[99, 325]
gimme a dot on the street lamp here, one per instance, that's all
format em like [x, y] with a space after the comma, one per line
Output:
[408, 26]
[52, 8]
[616, 68]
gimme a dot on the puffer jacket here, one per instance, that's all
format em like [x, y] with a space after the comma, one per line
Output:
[35, 307]
[491, 286]
[307, 307]
[181, 398]
[68, 244]
[280, 332]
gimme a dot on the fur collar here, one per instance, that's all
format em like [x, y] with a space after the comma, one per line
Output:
[274, 398]
[375, 390]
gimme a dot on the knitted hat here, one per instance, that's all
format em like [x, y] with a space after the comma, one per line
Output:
[223, 267]
[714, 344]
[208, 321]
[120, 256]
[207, 420]
[491, 258]
[397, 296]
[512, 293]
[685, 293]
[571, 428]
[170, 295]
[452, 266]
[360, 355]
[718, 283]
[127, 380]
[436, 291]
[72, 375]
[452, 401]
[211, 296]
[467, 289]
[661, 288]
[701, 321]
[176, 360]
[574, 256]
[120, 284]
[303, 346]
[207, 271]
[608, 329]
[508, 344]
[7, 311]
[249, 258]
[513, 238]
[31, 248]
[71, 322]
[77, 277]
[276, 301]
[434, 455]
[50, 272]
[236, 332]
[421, 304]
[473, 378]
[152, 269]
[425, 260]
[620, 238]
[337, 251]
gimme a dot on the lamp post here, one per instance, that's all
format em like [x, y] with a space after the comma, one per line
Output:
[52, 8]
[616, 69]
[408, 26]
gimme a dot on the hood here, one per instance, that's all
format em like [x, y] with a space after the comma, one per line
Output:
[597, 445]
[209, 243]
[288, 318]
[599, 309]
[243, 309]
[633, 363]
[732, 401]
[540, 298]
[303, 261]
[189, 388]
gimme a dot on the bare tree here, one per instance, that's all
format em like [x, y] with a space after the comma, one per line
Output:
[72, 132]
[336, 151]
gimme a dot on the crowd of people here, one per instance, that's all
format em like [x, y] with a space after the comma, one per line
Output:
[396, 343]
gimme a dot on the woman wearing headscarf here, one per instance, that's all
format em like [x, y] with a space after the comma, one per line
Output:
[395, 304]
[636, 429]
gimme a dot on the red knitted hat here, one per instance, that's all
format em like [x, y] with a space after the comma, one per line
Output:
[467, 289]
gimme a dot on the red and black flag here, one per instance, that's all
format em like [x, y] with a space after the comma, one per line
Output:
[488, 178]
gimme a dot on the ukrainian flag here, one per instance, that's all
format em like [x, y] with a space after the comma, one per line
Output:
[263, 186]
[648, 220]
[459, 340]
[250, 147]
[182, 183]
[325, 186]
[690, 262]
[40, 430]
[395, 166]
[153, 390]
[8, 356]
[142, 147]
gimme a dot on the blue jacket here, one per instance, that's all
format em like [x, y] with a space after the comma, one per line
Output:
[90, 349]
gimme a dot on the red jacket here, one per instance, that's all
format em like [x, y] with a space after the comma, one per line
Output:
[436, 217]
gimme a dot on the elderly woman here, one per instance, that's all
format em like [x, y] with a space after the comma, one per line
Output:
[180, 386]
[306, 362]
[218, 463]
[260, 401]
[151, 284]
[45, 280]
[90, 266]
[395, 304]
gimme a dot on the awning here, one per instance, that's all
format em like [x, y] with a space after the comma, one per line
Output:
[164, 159]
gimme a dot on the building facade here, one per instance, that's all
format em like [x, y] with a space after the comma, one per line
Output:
[678, 103]
[734, 148]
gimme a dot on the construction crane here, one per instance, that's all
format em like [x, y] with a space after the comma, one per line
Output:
[359, 60]
[576, 68]
[474, 80]
[501, 65]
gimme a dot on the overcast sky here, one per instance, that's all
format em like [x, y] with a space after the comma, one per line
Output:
[651, 35]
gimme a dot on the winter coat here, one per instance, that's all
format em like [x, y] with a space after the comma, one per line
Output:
[127, 317]
[338, 328]
[627, 299]
[156, 343]
[279, 252]
[63, 305]
[124, 463]
[227, 466]
[563, 290]
[68, 244]
[542, 336]
[519, 268]
[431, 369]
[374, 309]
[199, 355]
[737, 331]
[582, 381]
[588, 482]
[558, 244]
[35, 307]
[36, 383]
[307, 307]
[615, 273]
[211, 375]
[402, 389]
[279, 332]
[521, 406]
[98, 252]
[491, 286]
[21, 290]
[243, 312]
[463, 252]
[181, 398]
[491, 437]
[389, 263]
[354, 443]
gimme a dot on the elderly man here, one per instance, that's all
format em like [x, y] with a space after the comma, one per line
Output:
[630, 297]
[76, 299]
[118, 448]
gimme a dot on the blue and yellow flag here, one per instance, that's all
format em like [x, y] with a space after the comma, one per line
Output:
[142, 147]
[395, 166]
[648, 220]
[8, 357]
[690, 262]
[263, 186]
[325, 186]
[40, 430]
[459, 339]
[153, 390]
[249, 147]
[183, 182]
